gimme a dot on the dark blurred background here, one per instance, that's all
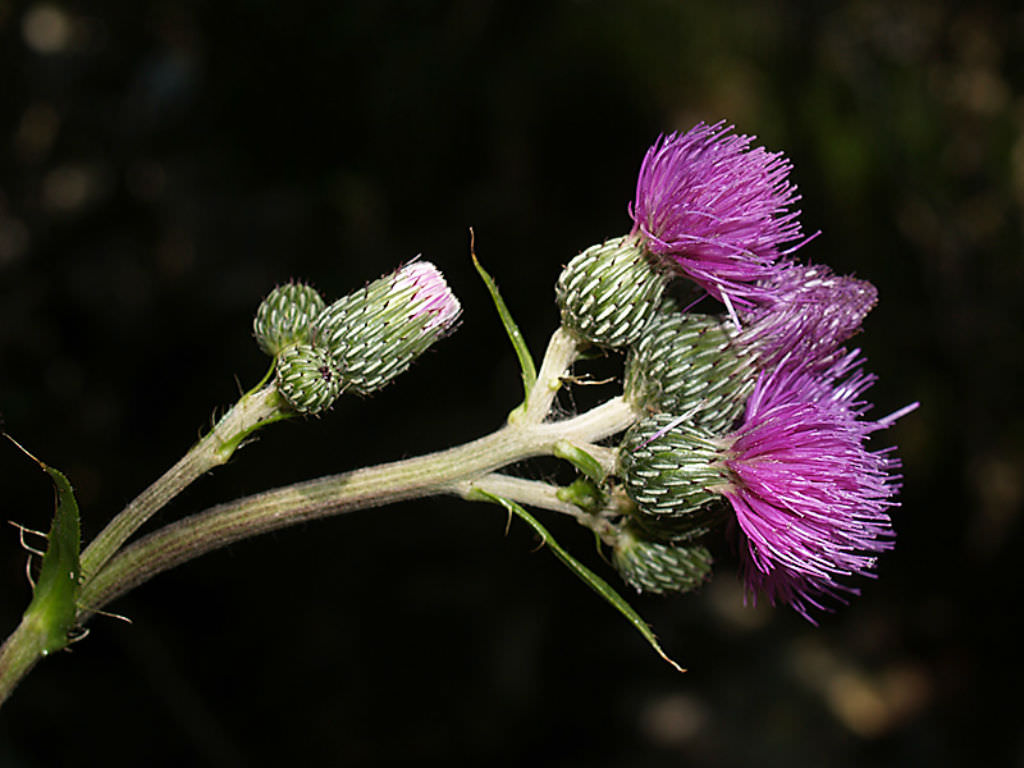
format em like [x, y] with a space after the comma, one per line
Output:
[163, 165]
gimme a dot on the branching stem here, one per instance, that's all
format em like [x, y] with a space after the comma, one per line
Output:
[254, 410]
[110, 569]
[451, 471]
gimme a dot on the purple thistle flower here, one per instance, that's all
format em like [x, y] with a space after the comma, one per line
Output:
[808, 314]
[811, 502]
[716, 210]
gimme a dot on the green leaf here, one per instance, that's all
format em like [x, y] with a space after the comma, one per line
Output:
[590, 578]
[580, 459]
[526, 365]
[585, 494]
[54, 599]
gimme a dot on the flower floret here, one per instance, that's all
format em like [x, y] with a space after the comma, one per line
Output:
[811, 501]
[716, 209]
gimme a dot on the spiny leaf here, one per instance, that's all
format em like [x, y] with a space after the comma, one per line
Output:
[54, 599]
[590, 578]
[526, 365]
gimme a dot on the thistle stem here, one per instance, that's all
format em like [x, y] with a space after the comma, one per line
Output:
[110, 569]
[254, 410]
[448, 471]
[562, 351]
[19, 654]
[532, 493]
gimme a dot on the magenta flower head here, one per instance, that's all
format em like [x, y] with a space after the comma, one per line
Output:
[716, 210]
[806, 317]
[811, 502]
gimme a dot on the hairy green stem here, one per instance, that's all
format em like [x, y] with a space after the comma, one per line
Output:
[263, 405]
[110, 569]
[254, 410]
[532, 493]
[562, 351]
[18, 655]
[436, 473]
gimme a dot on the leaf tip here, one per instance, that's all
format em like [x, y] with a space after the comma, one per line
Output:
[24, 450]
[672, 662]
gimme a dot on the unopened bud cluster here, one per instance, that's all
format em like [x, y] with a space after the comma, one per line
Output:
[686, 372]
[359, 343]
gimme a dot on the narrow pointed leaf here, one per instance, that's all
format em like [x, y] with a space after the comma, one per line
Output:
[590, 578]
[54, 599]
[526, 365]
[580, 459]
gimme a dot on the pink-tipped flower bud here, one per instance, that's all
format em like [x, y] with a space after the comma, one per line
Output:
[376, 333]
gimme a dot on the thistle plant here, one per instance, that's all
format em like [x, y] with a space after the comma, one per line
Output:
[740, 431]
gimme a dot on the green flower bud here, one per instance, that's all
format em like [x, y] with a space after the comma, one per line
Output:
[653, 566]
[285, 315]
[687, 363]
[672, 473]
[307, 378]
[376, 333]
[609, 292]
